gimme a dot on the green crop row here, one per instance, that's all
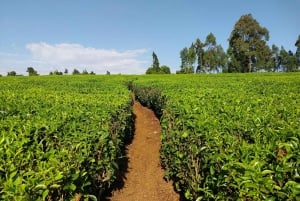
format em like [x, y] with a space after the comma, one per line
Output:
[61, 136]
[228, 137]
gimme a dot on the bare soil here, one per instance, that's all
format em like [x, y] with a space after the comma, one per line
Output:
[143, 178]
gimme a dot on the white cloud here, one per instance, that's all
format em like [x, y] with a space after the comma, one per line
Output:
[47, 57]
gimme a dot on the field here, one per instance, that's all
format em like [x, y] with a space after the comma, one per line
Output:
[61, 135]
[225, 137]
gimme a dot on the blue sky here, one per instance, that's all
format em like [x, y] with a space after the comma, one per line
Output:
[120, 35]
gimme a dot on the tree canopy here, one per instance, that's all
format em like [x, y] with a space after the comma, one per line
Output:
[31, 71]
[247, 45]
[155, 68]
[210, 56]
[11, 73]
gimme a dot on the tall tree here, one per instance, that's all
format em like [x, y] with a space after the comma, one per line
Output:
[31, 71]
[184, 56]
[155, 63]
[154, 69]
[297, 44]
[247, 44]
[210, 58]
[221, 58]
[288, 60]
[199, 52]
[188, 58]
[214, 57]
[276, 58]
[192, 56]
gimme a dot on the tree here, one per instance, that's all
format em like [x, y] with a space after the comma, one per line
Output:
[276, 60]
[85, 72]
[75, 72]
[11, 73]
[184, 54]
[291, 62]
[31, 71]
[288, 60]
[155, 69]
[165, 69]
[297, 44]
[188, 58]
[210, 55]
[155, 63]
[247, 44]
[56, 72]
[192, 56]
[221, 58]
[66, 71]
[199, 53]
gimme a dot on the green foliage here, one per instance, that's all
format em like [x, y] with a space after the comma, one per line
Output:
[247, 45]
[210, 57]
[12, 73]
[297, 55]
[224, 137]
[229, 137]
[165, 69]
[31, 71]
[85, 72]
[76, 72]
[214, 55]
[56, 72]
[155, 61]
[61, 135]
[288, 60]
[161, 70]
[156, 69]
[188, 58]
[199, 53]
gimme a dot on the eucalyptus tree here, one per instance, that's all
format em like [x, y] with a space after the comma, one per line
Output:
[209, 58]
[214, 57]
[297, 44]
[288, 60]
[192, 57]
[276, 59]
[188, 58]
[155, 63]
[199, 53]
[247, 45]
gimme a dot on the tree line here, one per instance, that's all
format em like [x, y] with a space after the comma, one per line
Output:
[247, 52]
[32, 72]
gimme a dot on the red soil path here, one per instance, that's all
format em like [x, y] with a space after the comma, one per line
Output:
[144, 175]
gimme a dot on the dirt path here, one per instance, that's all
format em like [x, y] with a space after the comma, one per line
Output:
[144, 177]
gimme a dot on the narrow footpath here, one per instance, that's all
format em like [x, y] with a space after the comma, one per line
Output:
[144, 176]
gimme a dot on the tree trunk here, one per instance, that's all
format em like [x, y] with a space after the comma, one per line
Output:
[249, 63]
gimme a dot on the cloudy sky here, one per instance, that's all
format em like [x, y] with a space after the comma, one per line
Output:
[120, 36]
